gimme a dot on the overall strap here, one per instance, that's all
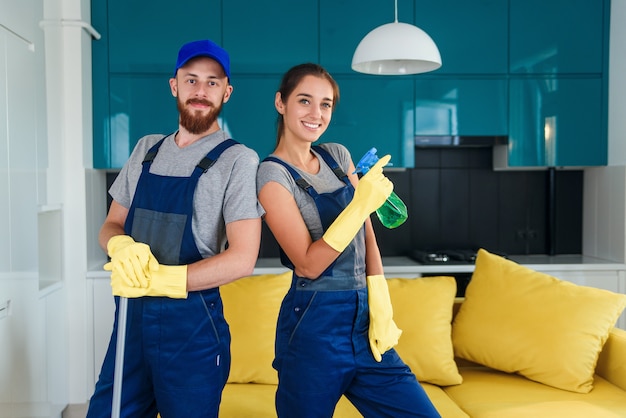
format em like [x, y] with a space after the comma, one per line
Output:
[330, 161]
[208, 161]
[204, 164]
[300, 181]
[341, 175]
[152, 152]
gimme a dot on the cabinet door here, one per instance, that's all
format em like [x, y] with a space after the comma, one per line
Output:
[103, 316]
[250, 116]
[131, 65]
[146, 37]
[371, 113]
[461, 106]
[270, 36]
[556, 122]
[375, 112]
[140, 105]
[471, 35]
[557, 36]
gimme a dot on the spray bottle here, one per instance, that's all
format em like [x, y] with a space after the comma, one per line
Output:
[393, 212]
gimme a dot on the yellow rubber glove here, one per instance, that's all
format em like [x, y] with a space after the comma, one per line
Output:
[383, 332]
[169, 281]
[371, 192]
[130, 260]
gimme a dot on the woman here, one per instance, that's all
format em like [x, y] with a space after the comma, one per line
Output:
[320, 217]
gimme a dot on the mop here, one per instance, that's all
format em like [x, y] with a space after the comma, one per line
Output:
[119, 357]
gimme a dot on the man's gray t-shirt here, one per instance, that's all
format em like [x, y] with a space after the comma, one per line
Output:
[325, 181]
[224, 194]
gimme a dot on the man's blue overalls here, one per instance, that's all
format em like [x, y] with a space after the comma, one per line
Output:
[322, 345]
[177, 351]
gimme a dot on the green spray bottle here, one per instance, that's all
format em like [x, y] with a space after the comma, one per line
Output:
[393, 212]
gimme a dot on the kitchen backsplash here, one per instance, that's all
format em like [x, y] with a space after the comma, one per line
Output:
[457, 201]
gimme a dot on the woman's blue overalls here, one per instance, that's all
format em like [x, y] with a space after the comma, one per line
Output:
[177, 351]
[322, 346]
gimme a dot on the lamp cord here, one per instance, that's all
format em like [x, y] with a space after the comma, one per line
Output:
[396, 11]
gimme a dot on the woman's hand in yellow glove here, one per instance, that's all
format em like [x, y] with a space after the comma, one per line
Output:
[371, 192]
[374, 187]
[131, 261]
[383, 332]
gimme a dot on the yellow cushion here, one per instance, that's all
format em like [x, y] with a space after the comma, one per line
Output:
[521, 321]
[251, 306]
[422, 309]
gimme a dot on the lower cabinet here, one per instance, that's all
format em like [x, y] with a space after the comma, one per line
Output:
[101, 315]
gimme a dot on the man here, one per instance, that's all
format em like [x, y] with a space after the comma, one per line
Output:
[176, 203]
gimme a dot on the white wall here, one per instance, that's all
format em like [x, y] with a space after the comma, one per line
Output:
[604, 227]
[33, 366]
[47, 228]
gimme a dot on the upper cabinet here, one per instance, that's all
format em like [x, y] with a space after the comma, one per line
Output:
[473, 106]
[249, 116]
[472, 36]
[510, 68]
[270, 36]
[556, 122]
[132, 63]
[343, 23]
[366, 117]
[557, 36]
[558, 78]
[145, 39]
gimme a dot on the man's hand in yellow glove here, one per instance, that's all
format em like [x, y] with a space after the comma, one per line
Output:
[131, 261]
[383, 332]
[371, 192]
[169, 281]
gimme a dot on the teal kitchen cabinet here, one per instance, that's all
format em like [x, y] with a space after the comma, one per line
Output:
[496, 54]
[469, 106]
[250, 116]
[472, 35]
[270, 36]
[140, 105]
[557, 122]
[369, 115]
[374, 112]
[558, 36]
[132, 63]
[101, 152]
[145, 37]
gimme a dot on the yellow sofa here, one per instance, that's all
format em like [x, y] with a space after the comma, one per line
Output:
[580, 372]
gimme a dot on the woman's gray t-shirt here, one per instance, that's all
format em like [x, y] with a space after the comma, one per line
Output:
[224, 194]
[325, 181]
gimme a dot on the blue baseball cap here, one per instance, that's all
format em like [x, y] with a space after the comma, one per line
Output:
[203, 48]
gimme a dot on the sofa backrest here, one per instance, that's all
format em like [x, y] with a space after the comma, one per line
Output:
[612, 360]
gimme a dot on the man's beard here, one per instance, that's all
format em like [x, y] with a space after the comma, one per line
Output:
[194, 121]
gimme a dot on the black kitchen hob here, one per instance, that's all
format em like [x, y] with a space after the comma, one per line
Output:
[444, 257]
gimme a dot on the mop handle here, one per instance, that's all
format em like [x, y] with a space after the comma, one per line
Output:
[119, 358]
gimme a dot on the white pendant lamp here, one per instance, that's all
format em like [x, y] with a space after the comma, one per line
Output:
[396, 49]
